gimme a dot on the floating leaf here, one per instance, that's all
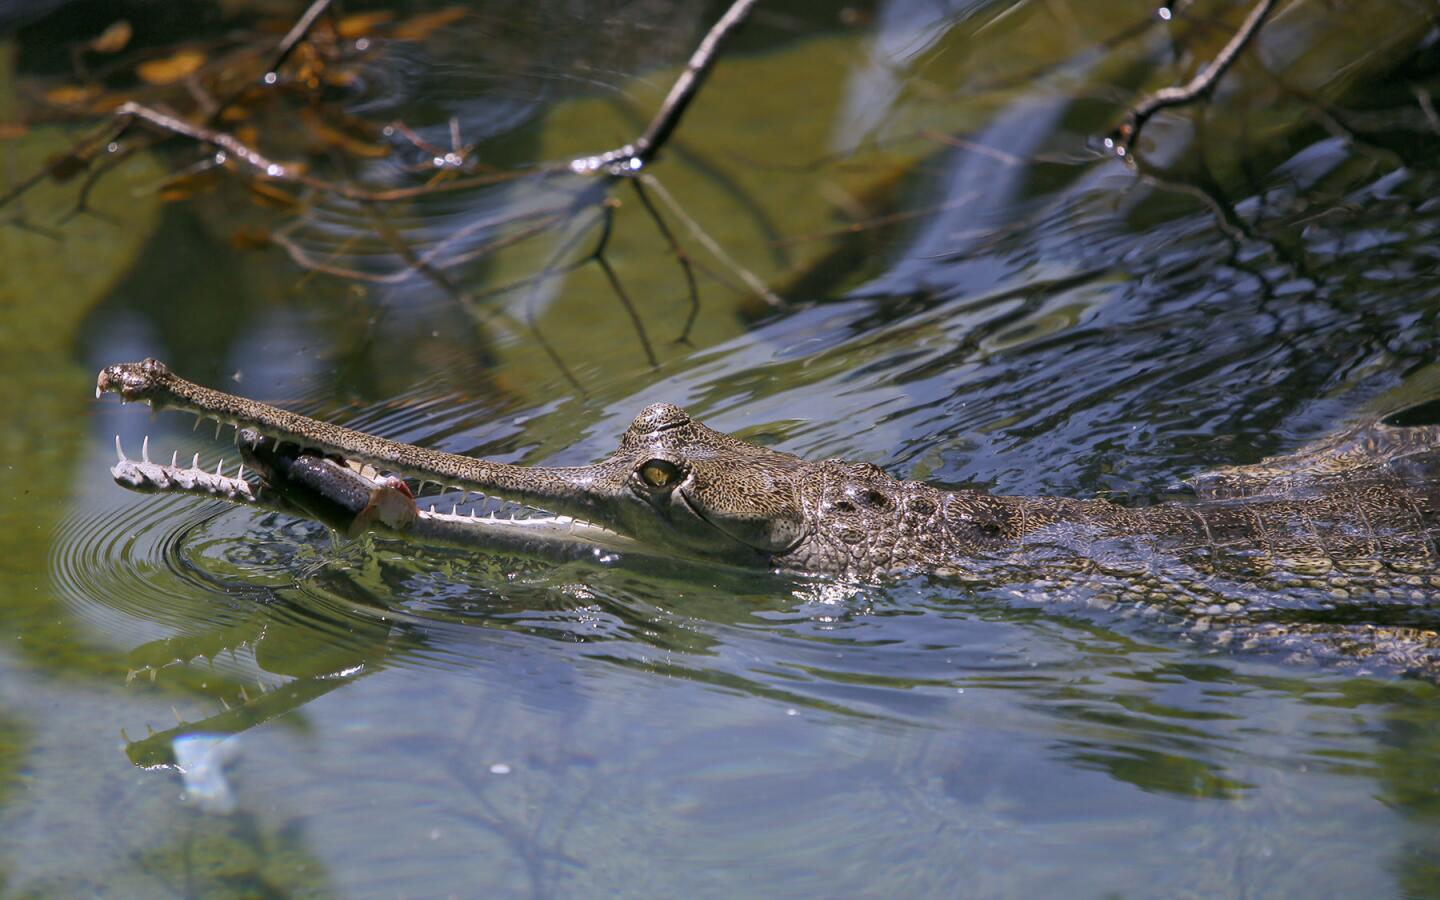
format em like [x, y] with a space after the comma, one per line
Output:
[332, 135]
[184, 187]
[271, 196]
[422, 26]
[361, 24]
[112, 39]
[71, 94]
[172, 68]
[251, 238]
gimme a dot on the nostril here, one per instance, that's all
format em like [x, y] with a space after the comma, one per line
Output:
[873, 498]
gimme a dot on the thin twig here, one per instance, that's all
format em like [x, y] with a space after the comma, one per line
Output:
[680, 257]
[551, 268]
[293, 37]
[709, 243]
[1124, 138]
[619, 289]
[130, 112]
[629, 159]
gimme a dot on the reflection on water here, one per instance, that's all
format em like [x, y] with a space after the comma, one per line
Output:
[1016, 312]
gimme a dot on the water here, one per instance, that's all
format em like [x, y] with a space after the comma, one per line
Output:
[1019, 311]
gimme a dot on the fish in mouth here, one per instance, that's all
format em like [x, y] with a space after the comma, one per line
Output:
[304, 467]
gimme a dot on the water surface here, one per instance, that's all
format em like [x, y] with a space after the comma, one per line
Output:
[975, 293]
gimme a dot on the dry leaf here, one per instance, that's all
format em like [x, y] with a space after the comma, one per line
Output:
[172, 68]
[422, 26]
[361, 24]
[342, 78]
[272, 196]
[250, 238]
[332, 136]
[113, 39]
[71, 94]
[183, 187]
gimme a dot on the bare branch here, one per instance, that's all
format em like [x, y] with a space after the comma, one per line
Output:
[293, 37]
[1124, 138]
[629, 159]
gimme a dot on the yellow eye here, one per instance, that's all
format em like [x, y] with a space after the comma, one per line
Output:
[658, 473]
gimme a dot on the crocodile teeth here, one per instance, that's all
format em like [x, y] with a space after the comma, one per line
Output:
[119, 451]
[145, 449]
[175, 460]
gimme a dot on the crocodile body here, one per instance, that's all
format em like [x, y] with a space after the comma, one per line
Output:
[1347, 523]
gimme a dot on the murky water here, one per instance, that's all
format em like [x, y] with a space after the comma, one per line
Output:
[973, 294]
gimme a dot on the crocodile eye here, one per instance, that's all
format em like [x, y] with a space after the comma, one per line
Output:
[659, 473]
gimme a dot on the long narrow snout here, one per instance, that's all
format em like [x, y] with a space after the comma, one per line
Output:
[579, 491]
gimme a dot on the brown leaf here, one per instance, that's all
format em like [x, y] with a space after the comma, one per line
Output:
[361, 24]
[112, 39]
[9, 130]
[332, 135]
[71, 94]
[420, 27]
[172, 68]
[252, 237]
[273, 197]
[183, 187]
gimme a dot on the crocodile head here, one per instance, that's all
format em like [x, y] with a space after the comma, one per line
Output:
[675, 482]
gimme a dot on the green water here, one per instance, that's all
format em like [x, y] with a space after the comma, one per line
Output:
[1016, 310]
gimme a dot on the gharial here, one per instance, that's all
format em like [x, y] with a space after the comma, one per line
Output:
[1328, 552]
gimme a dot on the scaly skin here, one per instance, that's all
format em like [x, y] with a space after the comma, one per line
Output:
[1356, 515]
